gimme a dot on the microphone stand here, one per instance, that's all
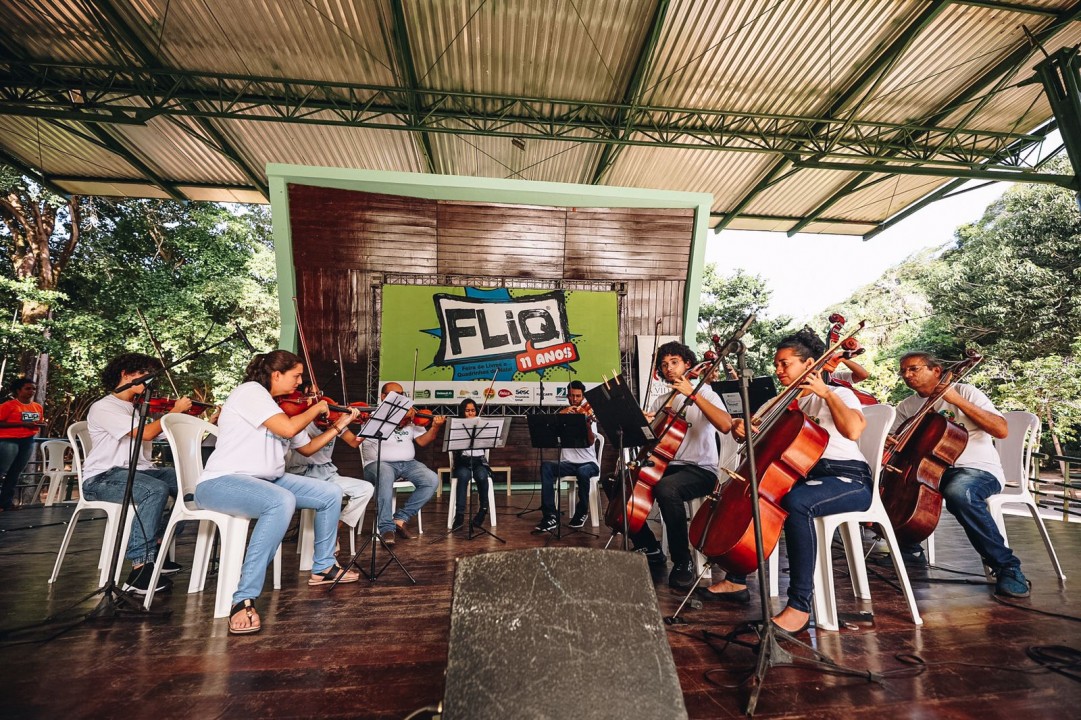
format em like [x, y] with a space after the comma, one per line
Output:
[767, 634]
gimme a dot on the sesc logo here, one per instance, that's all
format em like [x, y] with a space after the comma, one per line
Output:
[505, 393]
[521, 392]
[444, 394]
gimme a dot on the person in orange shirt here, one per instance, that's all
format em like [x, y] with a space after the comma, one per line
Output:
[20, 420]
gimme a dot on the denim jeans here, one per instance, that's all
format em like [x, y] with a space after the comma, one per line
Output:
[479, 472]
[552, 471]
[358, 491]
[965, 491]
[271, 503]
[415, 472]
[151, 490]
[679, 484]
[831, 487]
[14, 454]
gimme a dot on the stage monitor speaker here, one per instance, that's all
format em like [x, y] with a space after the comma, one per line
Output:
[558, 633]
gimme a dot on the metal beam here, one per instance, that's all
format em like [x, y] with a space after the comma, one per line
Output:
[792, 219]
[115, 23]
[404, 51]
[877, 69]
[1012, 7]
[632, 93]
[1061, 81]
[1066, 181]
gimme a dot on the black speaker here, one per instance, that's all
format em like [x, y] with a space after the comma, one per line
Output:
[558, 633]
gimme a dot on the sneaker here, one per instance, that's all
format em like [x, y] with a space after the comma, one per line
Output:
[1012, 582]
[548, 524]
[654, 556]
[388, 537]
[682, 576]
[478, 519]
[459, 520]
[170, 568]
[579, 520]
[139, 580]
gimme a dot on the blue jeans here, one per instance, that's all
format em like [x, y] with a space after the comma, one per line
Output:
[965, 491]
[271, 503]
[151, 490]
[552, 471]
[831, 487]
[479, 472]
[412, 470]
[14, 454]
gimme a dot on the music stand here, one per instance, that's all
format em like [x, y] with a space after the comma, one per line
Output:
[383, 421]
[472, 434]
[761, 390]
[558, 430]
[620, 417]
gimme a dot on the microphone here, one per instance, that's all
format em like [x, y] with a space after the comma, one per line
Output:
[238, 333]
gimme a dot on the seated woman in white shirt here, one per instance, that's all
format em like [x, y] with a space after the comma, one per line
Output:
[246, 476]
[839, 482]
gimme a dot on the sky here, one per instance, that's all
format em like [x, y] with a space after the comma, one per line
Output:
[836, 265]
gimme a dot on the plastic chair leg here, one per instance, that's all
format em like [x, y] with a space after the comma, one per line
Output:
[64, 547]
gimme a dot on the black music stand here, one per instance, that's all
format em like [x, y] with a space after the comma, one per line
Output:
[383, 421]
[762, 389]
[558, 430]
[472, 434]
[620, 417]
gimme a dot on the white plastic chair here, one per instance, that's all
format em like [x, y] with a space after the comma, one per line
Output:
[79, 437]
[571, 483]
[871, 443]
[185, 435]
[53, 454]
[1015, 452]
[454, 496]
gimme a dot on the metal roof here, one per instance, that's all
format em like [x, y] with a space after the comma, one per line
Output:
[813, 115]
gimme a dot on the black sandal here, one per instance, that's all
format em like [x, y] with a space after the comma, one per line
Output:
[331, 574]
[248, 607]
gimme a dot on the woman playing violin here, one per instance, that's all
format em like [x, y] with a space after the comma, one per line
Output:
[839, 482]
[320, 466]
[693, 471]
[246, 476]
[470, 464]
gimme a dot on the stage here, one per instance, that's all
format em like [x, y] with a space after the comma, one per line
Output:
[380, 650]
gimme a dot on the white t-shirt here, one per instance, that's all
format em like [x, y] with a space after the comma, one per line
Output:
[396, 448]
[839, 447]
[581, 456]
[110, 422]
[699, 447]
[297, 463]
[980, 452]
[245, 446]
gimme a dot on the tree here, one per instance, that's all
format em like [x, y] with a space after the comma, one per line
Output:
[726, 302]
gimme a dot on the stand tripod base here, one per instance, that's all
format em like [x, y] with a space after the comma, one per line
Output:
[473, 532]
[115, 603]
[766, 645]
[371, 573]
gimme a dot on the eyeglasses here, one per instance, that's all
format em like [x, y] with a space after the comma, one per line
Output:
[910, 370]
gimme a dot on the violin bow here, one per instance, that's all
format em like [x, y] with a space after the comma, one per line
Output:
[341, 372]
[157, 349]
[304, 349]
[487, 394]
[652, 364]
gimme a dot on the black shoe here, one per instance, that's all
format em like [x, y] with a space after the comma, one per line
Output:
[459, 520]
[139, 580]
[654, 556]
[548, 524]
[478, 519]
[743, 597]
[170, 568]
[579, 520]
[682, 576]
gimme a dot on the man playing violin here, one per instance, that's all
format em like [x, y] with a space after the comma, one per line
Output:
[579, 462]
[397, 459]
[111, 424]
[693, 471]
[976, 475]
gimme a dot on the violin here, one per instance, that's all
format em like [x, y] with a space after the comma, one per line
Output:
[296, 402]
[786, 446]
[850, 348]
[166, 404]
[420, 418]
[925, 446]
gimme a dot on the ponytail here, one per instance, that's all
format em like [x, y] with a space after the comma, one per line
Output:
[264, 364]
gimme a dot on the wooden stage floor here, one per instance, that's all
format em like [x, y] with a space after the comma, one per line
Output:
[380, 651]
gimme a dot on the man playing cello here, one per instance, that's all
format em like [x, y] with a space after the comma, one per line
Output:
[976, 474]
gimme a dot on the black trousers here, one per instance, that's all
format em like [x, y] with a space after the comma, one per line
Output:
[679, 484]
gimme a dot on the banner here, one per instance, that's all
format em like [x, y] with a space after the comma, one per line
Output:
[463, 337]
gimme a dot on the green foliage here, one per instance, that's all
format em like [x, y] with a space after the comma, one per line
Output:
[726, 302]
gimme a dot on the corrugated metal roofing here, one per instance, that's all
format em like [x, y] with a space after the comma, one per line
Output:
[780, 57]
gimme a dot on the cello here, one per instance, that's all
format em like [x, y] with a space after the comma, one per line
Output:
[925, 446]
[786, 447]
[849, 349]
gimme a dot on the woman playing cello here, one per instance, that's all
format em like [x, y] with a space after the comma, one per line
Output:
[839, 482]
